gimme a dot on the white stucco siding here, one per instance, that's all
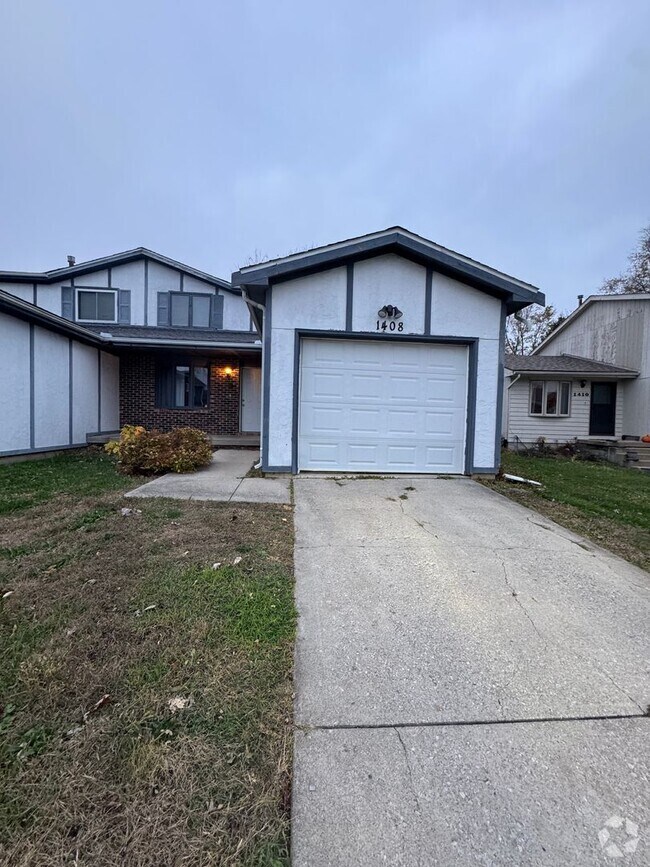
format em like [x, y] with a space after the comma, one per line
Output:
[314, 302]
[48, 296]
[98, 279]
[388, 280]
[236, 316]
[131, 276]
[461, 311]
[110, 395]
[85, 386]
[528, 428]
[51, 389]
[25, 291]
[317, 301]
[14, 384]
[487, 388]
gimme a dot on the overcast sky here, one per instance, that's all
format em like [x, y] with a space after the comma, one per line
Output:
[514, 132]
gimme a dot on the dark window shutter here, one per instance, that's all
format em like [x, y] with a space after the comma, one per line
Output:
[163, 308]
[216, 314]
[124, 306]
[67, 302]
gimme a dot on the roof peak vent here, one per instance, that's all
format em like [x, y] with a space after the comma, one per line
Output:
[71, 261]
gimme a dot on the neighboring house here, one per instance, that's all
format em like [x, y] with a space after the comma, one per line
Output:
[134, 338]
[382, 354]
[379, 354]
[590, 378]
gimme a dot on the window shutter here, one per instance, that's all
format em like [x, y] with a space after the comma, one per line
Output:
[67, 302]
[163, 308]
[216, 313]
[124, 306]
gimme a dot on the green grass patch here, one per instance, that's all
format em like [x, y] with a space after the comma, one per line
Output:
[81, 474]
[595, 488]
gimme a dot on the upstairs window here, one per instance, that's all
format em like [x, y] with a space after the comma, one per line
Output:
[96, 305]
[189, 310]
[550, 398]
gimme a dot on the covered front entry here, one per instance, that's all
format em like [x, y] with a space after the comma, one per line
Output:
[382, 406]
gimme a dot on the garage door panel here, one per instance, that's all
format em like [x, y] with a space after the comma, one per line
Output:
[382, 406]
[363, 421]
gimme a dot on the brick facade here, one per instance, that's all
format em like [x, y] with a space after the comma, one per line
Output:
[138, 397]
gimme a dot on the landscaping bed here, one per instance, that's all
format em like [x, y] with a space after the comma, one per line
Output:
[606, 503]
[145, 692]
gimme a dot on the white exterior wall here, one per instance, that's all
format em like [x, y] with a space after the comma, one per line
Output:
[319, 302]
[131, 276]
[45, 369]
[14, 384]
[554, 430]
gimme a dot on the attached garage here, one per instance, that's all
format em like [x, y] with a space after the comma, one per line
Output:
[373, 406]
[382, 354]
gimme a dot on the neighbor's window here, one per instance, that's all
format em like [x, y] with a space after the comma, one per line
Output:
[189, 310]
[183, 386]
[96, 305]
[550, 398]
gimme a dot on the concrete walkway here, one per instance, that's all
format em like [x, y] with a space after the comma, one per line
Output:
[471, 682]
[224, 481]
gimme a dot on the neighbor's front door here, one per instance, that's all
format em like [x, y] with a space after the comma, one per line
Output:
[602, 415]
[251, 399]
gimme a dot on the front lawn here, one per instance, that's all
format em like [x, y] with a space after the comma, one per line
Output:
[145, 691]
[606, 503]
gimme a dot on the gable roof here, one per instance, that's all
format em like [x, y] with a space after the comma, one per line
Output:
[573, 364]
[58, 274]
[591, 299]
[517, 294]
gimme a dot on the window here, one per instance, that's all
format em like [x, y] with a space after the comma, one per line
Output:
[183, 386]
[189, 310]
[96, 305]
[550, 398]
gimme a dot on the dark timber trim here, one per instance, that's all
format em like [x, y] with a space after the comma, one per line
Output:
[266, 374]
[428, 296]
[349, 296]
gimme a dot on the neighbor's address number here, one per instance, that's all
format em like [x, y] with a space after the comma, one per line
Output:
[383, 325]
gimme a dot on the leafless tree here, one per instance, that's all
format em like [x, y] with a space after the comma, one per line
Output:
[637, 276]
[529, 328]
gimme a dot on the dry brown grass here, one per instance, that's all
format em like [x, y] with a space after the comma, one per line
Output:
[138, 784]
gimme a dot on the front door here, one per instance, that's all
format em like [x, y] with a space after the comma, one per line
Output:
[602, 414]
[251, 399]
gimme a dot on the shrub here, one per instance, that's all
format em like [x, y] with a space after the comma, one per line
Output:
[140, 451]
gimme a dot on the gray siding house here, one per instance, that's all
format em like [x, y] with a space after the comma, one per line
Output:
[589, 380]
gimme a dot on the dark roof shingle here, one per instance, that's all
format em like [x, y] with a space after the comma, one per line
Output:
[562, 364]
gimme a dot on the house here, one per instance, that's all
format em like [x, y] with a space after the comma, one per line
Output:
[133, 338]
[589, 380]
[382, 353]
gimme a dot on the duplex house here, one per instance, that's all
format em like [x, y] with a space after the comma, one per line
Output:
[133, 338]
[382, 353]
[590, 378]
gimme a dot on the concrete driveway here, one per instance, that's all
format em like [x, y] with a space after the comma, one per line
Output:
[471, 682]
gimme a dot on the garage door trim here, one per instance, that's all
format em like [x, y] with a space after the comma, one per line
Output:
[470, 342]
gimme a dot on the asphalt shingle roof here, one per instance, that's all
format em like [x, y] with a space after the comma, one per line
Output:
[561, 364]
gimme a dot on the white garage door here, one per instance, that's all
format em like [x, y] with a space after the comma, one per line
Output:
[373, 406]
